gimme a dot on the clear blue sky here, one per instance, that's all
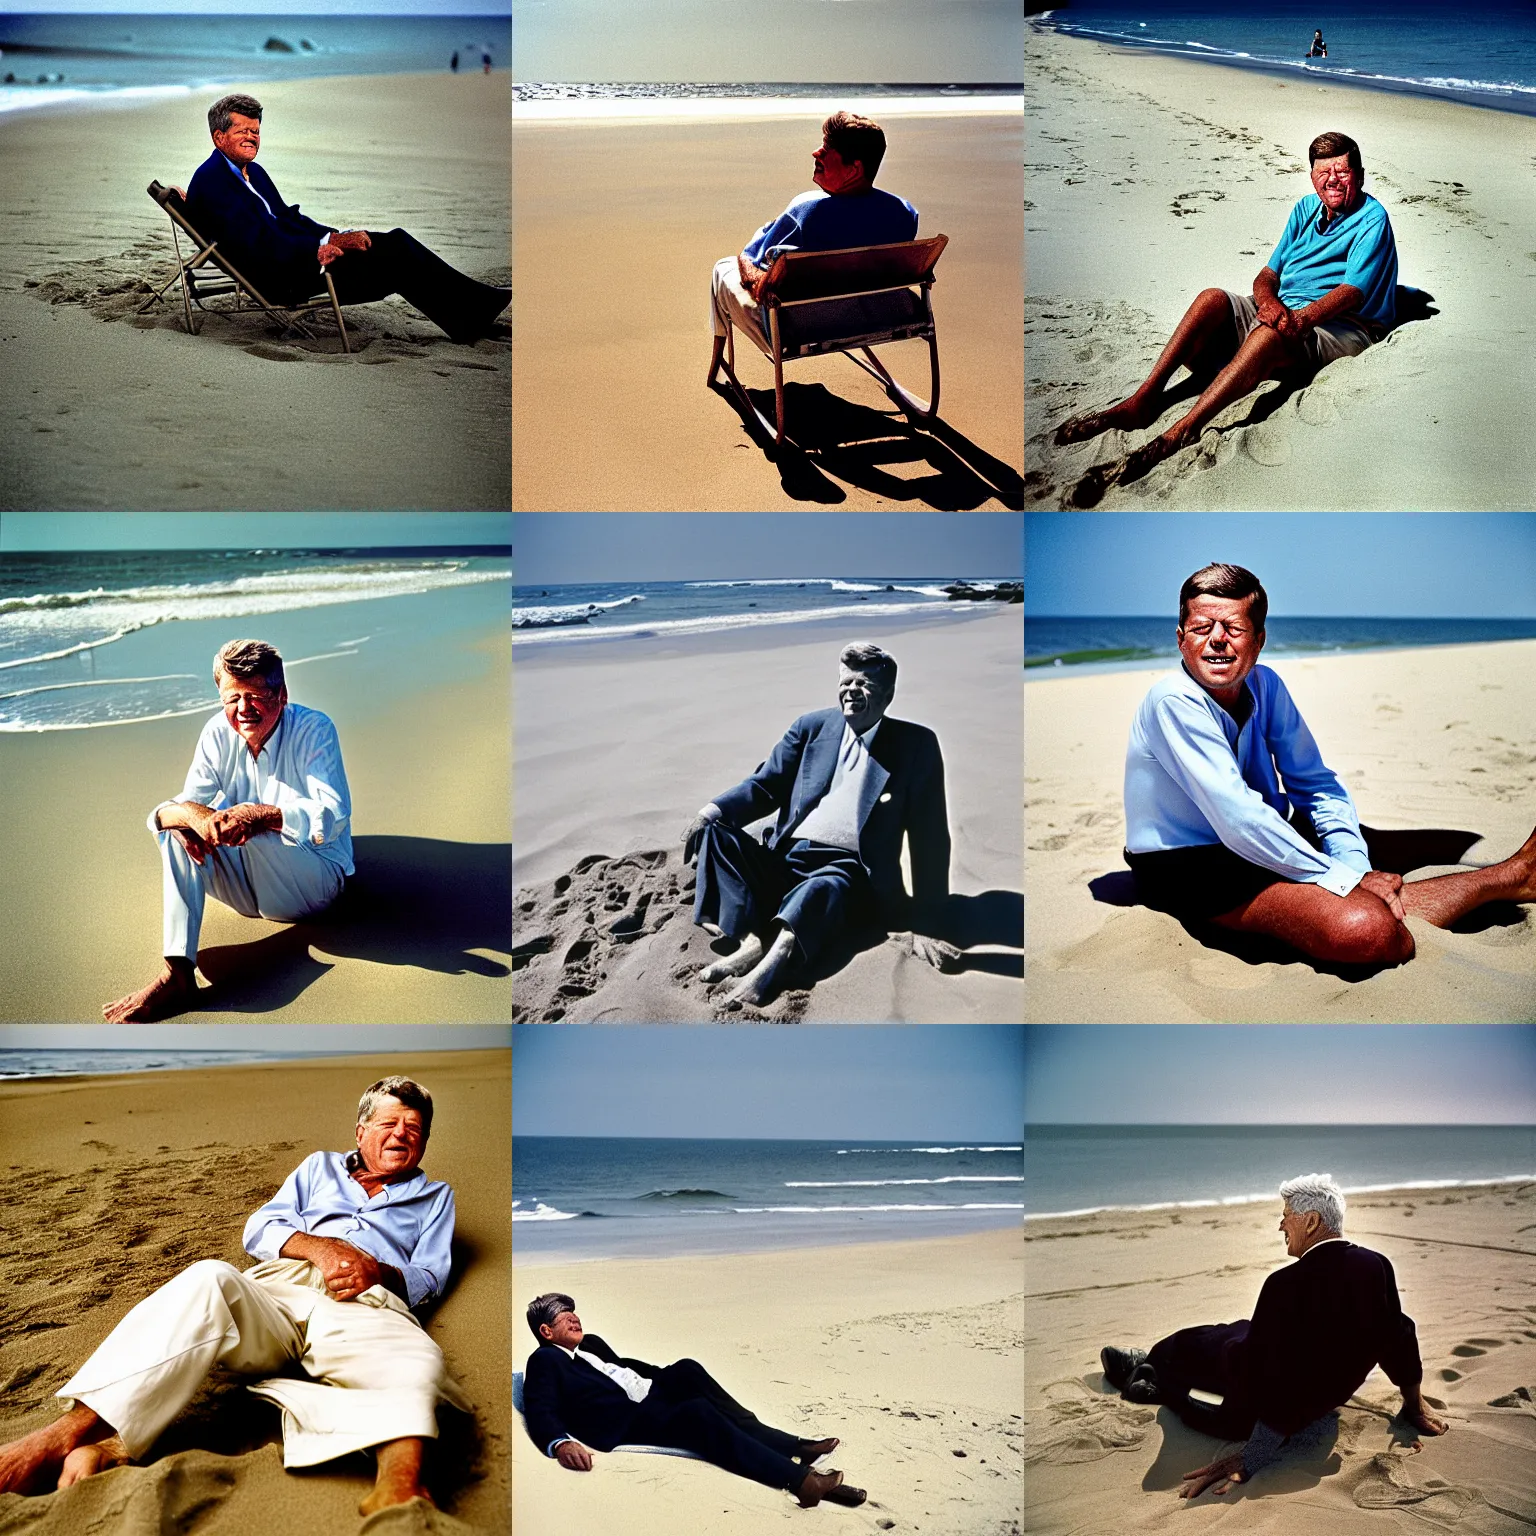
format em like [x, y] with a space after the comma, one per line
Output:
[1280, 1074]
[365, 1039]
[816, 1082]
[247, 530]
[1339, 564]
[559, 547]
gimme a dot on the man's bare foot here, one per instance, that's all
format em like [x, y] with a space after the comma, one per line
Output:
[172, 991]
[31, 1464]
[1147, 458]
[398, 1480]
[1128, 416]
[736, 964]
[87, 1460]
[1525, 857]
[761, 984]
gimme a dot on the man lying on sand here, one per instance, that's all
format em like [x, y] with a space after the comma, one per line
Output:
[1320, 1327]
[847, 783]
[263, 822]
[282, 251]
[347, 1247]
[847, 211]
[574, 1381]
[1211, 836]
[1329, 291]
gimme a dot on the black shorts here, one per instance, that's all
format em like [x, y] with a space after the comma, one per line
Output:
[1198, 883]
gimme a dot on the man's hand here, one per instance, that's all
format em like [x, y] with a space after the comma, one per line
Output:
[329, 252]
[1291, 324]
[229, 828]
[347, 1271]
[1379, 883]
[187, 814]
[574, 1456]
[751, 277]
[352, 240]
[197, 849]
[1224, 1473]
[938, 954]
[1272, 312]
[693, 835]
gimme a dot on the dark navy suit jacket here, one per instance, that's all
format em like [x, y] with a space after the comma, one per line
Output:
[277, 251]
[905, 792]
[562, 1396]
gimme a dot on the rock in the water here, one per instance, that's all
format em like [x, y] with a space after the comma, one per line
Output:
[277, 45]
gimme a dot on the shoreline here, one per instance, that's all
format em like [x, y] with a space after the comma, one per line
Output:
[703, 109]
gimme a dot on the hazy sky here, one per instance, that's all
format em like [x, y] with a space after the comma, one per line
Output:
[365, 1039]
[553, 547]
[1281, 1074]
[1367, 564]
[272, 8]
[884, 1083]
[247, 530]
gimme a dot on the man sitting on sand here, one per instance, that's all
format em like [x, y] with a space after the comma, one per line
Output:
[847, 784]
[263, 822]
[1328, 291]
[1320, 1327]
[574, 1381]
[848, 211]
[348, 1246]
[282, 251]
[1212, 837]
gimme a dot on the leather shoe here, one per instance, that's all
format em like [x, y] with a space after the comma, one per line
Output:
[814, 1450]
[843, 1494]
[1119, 1363]
[1142, 1386]
[817, 1486]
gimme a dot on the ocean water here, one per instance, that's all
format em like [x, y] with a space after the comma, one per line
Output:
[630, 610]
[25, 1064]
[1482, 52]
[591, 1197]
[1058, 644]
[45, 58]
[1078, 1168]
[109, 638]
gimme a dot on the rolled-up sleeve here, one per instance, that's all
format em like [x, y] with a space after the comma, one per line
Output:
[427, 1271]
[318, 808]
[1313, 785]
[279, 1219]
[205, 778]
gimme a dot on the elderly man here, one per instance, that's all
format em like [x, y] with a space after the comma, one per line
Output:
[1320, 1327]
[1328, 291]
[574, 1381]
[847, 784]
[349, 1245]
[1212, 837]
[282, 251]
[263, 822]
[848, 210]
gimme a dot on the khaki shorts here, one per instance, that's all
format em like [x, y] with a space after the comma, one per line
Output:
[1323, 344]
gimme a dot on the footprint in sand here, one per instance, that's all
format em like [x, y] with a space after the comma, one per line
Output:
[1267, 444]
[1519, 1398]
[1084, 1426]
[1386, 1481]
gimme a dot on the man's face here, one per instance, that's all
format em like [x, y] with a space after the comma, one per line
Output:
[864, 700]
[392, 1143]
[833, 173]
[240, 140]
[251, 708]
[1335, 183]
[1219, 643]
[566, 1331]
[1296, 1229]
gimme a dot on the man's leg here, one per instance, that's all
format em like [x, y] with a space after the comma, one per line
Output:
[35, 1462]
[698, 1426]
[1357, 929]
[1205, 1358]
[739, 884]
[399, 263]
[285, 881]
[727, 296]
[1442, 899]
[685, 1379]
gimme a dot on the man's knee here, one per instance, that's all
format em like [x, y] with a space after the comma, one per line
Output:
[203, 1277]
[1365, 932]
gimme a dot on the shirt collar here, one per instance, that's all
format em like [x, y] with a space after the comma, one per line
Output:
[1320, 225]
[868, 737]
[1322, 1242]
[1205, 693]
[231, 164]
[353, 1160]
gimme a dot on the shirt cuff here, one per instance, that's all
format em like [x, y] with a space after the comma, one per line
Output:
[549, 1450]
[298, 824]
[268, 1243]
[419, 1284]
[1345, 847]
[1339, 877]
[1262, 1450]
[711, 812]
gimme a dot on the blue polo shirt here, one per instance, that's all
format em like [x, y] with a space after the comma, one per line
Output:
[1357, 249]
[817, 221]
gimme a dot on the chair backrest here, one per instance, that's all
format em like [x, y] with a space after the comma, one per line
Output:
[171, 201]
[798, 275]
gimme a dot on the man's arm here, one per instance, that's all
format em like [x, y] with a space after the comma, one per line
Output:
[928, 840]
[751, 276]
[542, 1417]
[1311, 783]
[1266, 294]
[1346, 299]
[226, 828]
[348, 1271]
[770, 787]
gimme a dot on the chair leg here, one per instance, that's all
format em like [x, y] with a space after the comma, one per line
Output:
[933, 369]
[778, 397]
[341, 325]
[714, 362]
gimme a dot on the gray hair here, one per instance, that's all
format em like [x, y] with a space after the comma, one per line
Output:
[546, 1308]
[866, 656]
[1316, 1192]
[245, 659]
[219, 112]
[409, 1093]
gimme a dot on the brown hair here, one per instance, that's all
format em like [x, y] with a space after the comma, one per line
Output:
[866, 656]
[1230, 581]
[405, 1091]
[219, 112]
[856, 138]
[245, 659]
[1327, 145]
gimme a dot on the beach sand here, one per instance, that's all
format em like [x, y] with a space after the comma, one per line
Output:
[1440, 737]
[137, 414]
[605, 791]
[114, 1184]
[1129, 152]
[421, 936]
[618, 228]
[909, 1352]
[1096, 1464]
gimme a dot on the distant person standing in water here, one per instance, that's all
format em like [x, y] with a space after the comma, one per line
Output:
[453, 63]
[1319, 49]
[485, 60]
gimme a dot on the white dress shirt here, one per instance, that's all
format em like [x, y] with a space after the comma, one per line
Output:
[636, 1387]
[298, 770]
[1194, 777]
[834, 819]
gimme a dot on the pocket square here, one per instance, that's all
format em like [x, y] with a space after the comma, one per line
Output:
[886, 796]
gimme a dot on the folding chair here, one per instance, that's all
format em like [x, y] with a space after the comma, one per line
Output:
[817, 302]
[197, 286]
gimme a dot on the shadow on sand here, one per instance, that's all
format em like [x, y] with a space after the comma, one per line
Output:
[414, 901]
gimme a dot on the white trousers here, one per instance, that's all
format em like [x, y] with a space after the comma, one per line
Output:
[727, 296]
[374, 1374]
[263, 877]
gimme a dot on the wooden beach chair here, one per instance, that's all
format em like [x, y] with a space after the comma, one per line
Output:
[819, 302]
[196, 273]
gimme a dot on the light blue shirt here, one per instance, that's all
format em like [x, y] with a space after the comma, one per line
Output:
[819, 221]
[408, 1225]
[298, 770]
[1358, 249]
[1194, 777]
